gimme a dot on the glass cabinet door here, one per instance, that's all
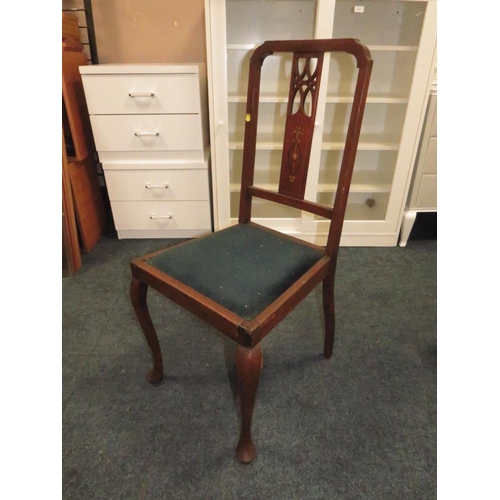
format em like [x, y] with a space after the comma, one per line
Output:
[249, 23]
[392, 31]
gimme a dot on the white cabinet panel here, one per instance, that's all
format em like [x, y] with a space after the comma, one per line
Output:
[147, 215]
[136, 185]
[430, 160]
[422, 196]
[427, 193]
[140, 94]
[147, 132]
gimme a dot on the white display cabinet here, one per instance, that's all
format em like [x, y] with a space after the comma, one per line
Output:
[401, 36]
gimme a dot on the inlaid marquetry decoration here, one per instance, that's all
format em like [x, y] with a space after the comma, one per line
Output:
[299, 129]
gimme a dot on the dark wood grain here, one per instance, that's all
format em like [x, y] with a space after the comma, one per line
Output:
[248, 368]
[347, 166]
[213, 313]
[329, 314]
[309, 206]
[138, 293]
[299, 127]
[305, 48]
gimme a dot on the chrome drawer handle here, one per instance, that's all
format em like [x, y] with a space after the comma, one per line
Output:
[146, 134]
[141, 94]
[169, 216]
[156, 186]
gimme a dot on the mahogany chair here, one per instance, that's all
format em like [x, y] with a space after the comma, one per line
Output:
[243, 280]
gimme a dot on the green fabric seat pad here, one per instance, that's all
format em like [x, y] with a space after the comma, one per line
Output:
[243, 268]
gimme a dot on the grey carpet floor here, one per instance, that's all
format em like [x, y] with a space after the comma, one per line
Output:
[361, 425]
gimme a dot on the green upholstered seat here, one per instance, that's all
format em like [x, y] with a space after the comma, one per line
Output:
[243, 268]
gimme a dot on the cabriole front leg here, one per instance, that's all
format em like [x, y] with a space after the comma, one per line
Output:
[248, 368]
[138, 293]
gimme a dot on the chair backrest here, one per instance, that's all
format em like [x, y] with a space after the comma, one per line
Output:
[305, 79]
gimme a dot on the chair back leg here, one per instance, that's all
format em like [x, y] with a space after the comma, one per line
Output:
[329, 313]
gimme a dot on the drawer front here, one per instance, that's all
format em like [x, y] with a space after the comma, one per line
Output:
[147, 132]
[137, 185]
[151, 215]
[142, 94]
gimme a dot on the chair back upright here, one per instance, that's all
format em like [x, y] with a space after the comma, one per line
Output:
[307, 65]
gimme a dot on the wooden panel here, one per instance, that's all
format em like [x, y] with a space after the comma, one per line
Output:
[175, 132]
[80, 16]
[301, 113]
[81, 168]
[136, 215]
[73, 4]
[87, 198]
[71, 246]
[141, 94]
[70, 26]
[157, 185]
[75, 104]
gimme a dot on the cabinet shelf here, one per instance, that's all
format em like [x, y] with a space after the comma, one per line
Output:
[393, 48]
[396, 48]
[326, 146]
[356, 188]
[326, 188]
[362, 146]
[279, 99]
[369, 100]
[268, 98]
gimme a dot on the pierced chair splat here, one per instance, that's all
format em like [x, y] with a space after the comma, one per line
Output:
[245, 279]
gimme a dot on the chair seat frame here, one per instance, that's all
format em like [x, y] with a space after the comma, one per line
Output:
[246, 333]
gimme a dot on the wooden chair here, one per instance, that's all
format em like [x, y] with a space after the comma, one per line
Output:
[243, 280]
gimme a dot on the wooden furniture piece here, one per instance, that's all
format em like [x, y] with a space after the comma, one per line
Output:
[152, 140]
[79, 166]
[82, 10]
[245, 279]
[72, 259]
[401, 36]
[423, 190]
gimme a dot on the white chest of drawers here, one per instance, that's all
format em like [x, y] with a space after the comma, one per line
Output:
[151, 136]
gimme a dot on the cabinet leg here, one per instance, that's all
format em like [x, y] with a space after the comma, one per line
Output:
[329, 313]
[406, 226]
[138, 293]
[248, 368]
